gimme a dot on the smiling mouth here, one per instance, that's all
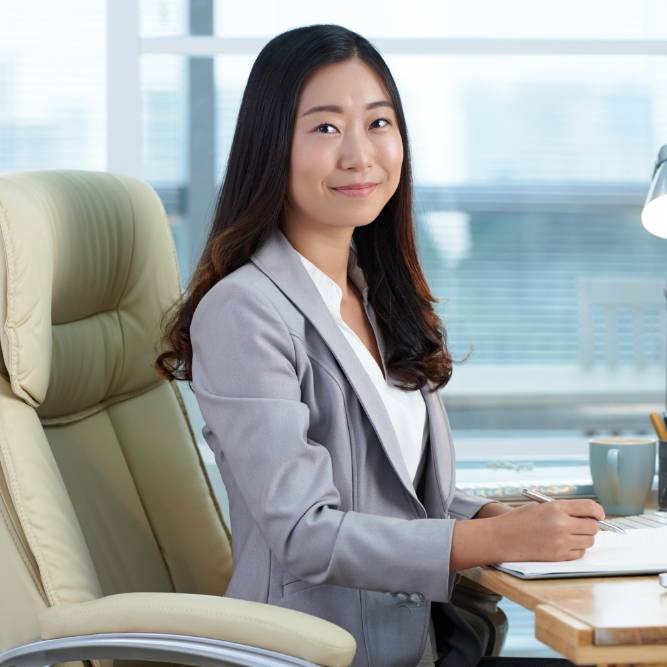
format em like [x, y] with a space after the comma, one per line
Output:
[356, 191]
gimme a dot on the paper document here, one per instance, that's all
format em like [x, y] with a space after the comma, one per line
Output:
[640, 551]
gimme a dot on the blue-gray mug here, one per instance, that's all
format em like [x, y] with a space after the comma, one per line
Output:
[622, 469]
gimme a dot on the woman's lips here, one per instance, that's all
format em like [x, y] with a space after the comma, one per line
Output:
[356, 192]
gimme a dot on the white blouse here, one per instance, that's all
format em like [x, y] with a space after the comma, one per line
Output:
[406, 409]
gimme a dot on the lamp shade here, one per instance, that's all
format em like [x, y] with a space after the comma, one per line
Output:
[654, 213]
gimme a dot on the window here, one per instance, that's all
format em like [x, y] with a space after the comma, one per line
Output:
[52, 90]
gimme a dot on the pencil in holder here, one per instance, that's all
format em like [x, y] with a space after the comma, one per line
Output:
[662, 475]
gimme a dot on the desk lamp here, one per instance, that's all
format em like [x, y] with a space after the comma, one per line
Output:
[654, 213]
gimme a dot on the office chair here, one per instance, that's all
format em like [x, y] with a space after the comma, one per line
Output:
[112, 540]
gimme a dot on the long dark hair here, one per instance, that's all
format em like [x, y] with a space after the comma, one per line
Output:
[254, 189]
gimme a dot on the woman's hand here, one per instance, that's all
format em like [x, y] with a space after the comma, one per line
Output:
[554, 531]
[492, 509]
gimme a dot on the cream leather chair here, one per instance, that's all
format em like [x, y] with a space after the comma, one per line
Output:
[112, 544]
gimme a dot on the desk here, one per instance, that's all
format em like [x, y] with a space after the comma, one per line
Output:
[591, 621]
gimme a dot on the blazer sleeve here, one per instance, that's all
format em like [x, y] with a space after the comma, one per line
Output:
[245, 380]
[465, 505]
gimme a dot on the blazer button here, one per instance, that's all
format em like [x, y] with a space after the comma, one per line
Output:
[417, 598]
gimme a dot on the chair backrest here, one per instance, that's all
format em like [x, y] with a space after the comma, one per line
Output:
[103, 489]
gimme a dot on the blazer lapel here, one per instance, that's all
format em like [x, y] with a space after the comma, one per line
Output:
[443, 455]
[278, 259]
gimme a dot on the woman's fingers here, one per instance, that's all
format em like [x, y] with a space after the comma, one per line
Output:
[584, 526]
[582, 541]
[557, 530]
[584, 507]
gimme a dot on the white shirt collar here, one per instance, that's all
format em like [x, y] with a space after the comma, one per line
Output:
[329, 289]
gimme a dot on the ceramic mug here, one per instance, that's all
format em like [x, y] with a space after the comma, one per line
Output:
[622, 469]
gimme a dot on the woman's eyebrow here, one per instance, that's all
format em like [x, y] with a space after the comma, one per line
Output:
[336, 109]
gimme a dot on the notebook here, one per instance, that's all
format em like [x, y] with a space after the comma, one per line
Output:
[637, 551]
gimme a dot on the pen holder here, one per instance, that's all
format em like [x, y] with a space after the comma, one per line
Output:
[662, 475]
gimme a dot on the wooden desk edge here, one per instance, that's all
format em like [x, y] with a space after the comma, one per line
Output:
[502, 583]
[564, 633]
[574, 639]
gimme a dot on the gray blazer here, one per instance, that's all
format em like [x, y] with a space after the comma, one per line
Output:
[324, 516]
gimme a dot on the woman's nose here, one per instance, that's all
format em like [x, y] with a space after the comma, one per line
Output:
[356, 149]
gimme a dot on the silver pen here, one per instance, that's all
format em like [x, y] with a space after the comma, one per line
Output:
[541, 498]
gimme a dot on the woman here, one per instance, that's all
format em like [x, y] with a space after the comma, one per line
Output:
[315, 354]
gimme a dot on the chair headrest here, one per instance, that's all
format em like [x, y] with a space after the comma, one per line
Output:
[87, 270]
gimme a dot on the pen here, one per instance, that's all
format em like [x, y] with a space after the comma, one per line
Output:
[541, 498]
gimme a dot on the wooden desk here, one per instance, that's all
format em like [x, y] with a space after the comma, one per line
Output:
[591, 621]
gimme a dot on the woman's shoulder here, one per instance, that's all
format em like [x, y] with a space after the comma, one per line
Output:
[244, 293]
[241, 281]
[238, 317]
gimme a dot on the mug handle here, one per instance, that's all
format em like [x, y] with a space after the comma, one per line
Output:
[612, 471]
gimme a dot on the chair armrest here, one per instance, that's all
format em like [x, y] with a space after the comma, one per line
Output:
[240, 622]
[480, 608]
[104, 649]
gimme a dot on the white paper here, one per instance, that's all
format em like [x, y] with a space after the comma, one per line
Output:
[640, 549]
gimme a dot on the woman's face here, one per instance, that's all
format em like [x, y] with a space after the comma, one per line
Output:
[346, 143]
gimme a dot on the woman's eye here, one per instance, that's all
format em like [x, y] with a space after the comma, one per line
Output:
[330, 125]
[324, 125]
